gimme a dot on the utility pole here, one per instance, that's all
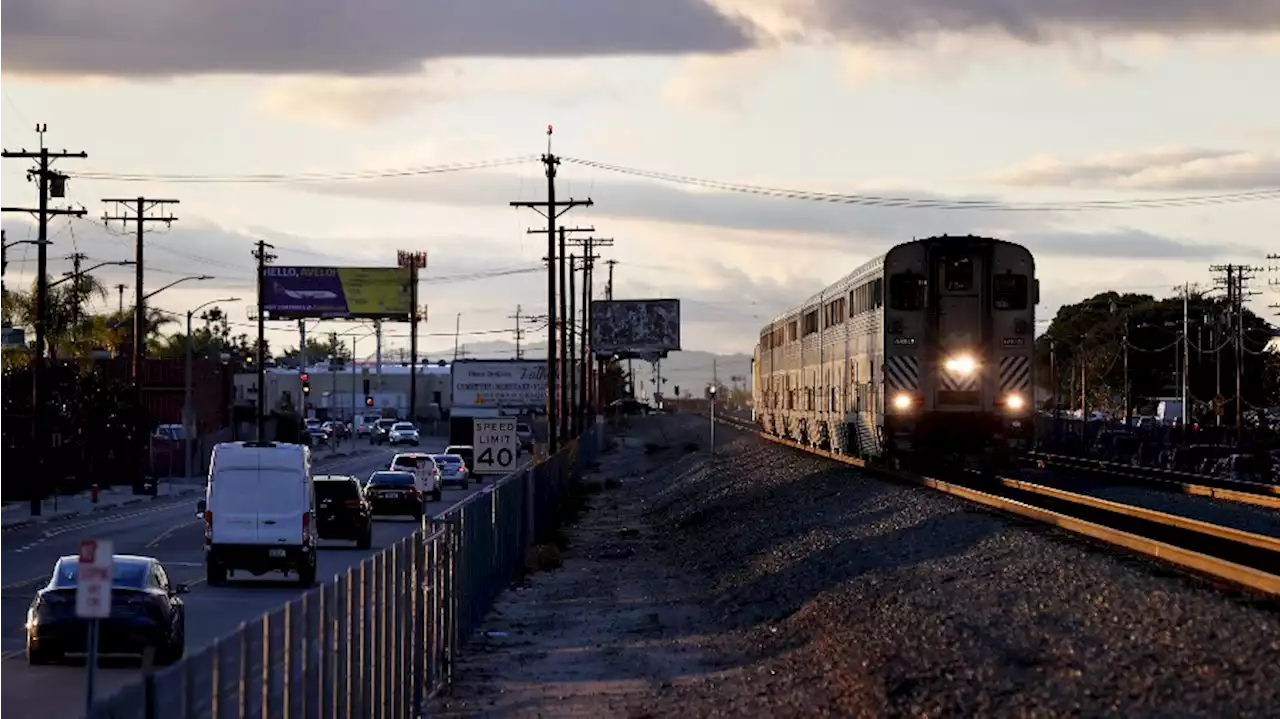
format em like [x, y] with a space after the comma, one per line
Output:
[589, 244]
[414, 261]
[49, 183]
[141, 206]
[571, 347]
[120, 288]
[516, 317]
[457, 333]
[76, 282]
[552, 210]
[1236, 278]
[608, 288]
[264, 258]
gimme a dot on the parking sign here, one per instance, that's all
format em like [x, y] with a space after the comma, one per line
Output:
[93, 587]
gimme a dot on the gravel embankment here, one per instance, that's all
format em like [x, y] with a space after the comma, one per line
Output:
[839, 595]
[1238, 515]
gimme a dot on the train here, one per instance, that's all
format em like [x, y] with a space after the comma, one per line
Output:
[922, 357]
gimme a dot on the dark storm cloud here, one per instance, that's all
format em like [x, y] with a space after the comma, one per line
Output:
[343, 37]
[770, 222]
[1039, 21]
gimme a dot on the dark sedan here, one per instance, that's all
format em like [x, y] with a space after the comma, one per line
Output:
[393, 493]
[146, 611]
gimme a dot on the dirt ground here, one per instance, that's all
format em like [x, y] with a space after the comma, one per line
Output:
[611, 629]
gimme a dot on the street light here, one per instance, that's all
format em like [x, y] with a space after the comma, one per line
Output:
[187, 419]
[4, 252]
[67, 277]
[711, 391]
[197, 278]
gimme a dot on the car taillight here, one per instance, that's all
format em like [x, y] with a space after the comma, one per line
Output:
[352, 503]
[208, 526]
[306, 522]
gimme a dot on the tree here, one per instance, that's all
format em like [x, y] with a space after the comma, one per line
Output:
[1091, 334]
[318, 349]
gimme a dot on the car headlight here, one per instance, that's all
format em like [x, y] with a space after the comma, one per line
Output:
[961, 365]
[902, 400]
[1014, 401]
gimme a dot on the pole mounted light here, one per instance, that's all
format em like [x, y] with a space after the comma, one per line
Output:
[188, 411]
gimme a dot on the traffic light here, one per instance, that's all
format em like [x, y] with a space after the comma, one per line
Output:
[368, 400]
[306, 382]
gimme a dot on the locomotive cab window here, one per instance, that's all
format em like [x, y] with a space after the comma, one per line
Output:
[1009, 292]
[957, 274]
[908, 291]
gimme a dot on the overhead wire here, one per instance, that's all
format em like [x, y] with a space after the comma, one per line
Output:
[305, 177]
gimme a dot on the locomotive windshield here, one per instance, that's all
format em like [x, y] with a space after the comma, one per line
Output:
[908, 291]
[958, 274]
[1009, 292]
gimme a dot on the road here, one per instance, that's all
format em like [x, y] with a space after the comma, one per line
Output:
[174, 534]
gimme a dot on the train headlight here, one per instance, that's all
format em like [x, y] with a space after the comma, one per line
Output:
[963, 365]
[1014, 402]
[902, 400]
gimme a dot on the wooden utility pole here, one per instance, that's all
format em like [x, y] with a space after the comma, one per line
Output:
[551, 209]
[589, 244]
[264, 258]
[49, 183]
[140, 218]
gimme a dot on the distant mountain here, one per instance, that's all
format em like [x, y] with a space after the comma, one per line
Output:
[690, 371]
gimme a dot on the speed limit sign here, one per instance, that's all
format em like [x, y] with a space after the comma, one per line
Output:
[495, 442]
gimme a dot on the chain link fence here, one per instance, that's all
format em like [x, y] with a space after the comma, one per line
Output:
[378, 639]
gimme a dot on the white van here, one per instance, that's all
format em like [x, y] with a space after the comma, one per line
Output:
[259, 511]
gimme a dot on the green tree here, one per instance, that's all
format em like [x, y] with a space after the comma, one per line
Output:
[1090, 336]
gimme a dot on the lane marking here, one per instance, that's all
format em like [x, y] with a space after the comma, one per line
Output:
[169, 532]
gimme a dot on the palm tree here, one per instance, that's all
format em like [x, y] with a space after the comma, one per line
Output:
[72, 331]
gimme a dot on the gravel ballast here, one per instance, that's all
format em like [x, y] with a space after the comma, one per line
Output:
[798, 587]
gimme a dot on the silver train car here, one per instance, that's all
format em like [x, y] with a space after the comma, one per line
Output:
[921, 356]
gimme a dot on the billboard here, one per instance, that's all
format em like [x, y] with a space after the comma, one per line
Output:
[337, 293]
[635, 326]
[506, 384]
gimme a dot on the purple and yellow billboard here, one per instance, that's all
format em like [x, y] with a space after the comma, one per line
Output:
[338, 293]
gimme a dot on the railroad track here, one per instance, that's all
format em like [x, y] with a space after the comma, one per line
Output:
[1243, 559]
[1262, 495]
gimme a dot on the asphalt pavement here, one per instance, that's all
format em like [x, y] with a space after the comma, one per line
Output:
[171, 532]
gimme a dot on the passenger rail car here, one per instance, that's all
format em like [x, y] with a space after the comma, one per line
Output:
[923, 355]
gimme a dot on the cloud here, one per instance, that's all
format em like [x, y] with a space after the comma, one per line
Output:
[1029, 21]
[159, 38]
[361, 101]
[766, 223]
[1168, 169]
[717, 83]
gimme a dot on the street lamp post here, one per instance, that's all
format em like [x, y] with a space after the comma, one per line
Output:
[188, 419]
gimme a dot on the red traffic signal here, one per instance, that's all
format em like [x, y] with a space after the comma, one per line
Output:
[368, 401]
[304, 377]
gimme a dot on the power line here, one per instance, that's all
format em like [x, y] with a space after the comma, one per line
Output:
[268, 178]
[915, 203]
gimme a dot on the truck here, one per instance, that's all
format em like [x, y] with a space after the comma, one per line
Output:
[462, 422]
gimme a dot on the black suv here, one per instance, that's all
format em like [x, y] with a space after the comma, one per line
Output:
[343, 511]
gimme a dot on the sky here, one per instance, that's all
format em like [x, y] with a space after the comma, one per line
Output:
[1027, 103]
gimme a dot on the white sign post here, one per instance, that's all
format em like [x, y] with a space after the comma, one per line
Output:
[496, 445]
[93, 598]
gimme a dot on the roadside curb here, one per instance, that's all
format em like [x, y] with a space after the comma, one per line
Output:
[94, 510]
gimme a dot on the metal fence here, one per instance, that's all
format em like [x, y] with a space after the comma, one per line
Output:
[380, 638]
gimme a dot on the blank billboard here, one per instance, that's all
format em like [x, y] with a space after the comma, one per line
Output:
[635, 326]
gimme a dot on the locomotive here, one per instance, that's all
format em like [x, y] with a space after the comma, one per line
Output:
[920, 357]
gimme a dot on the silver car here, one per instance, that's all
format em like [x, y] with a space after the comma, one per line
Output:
[403, 433]
[453, 470]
